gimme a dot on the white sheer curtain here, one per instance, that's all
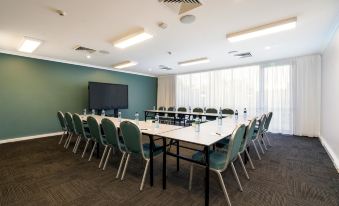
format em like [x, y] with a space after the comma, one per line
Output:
[289, 88]
[166, 91]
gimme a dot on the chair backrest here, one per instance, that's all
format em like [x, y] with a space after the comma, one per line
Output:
[262, 123]
[111, 132]
[227, 111]
[249, 134]
[94, 128]
[170, 109]
[235, 143]
[69, 122]
[182, 109]
[62, 120]
[198, 109]
[211, 110]
[268, 120]
[132, 137]
[162, 108]
[78, 125]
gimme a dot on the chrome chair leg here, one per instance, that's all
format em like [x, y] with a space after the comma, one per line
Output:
[76, 149]
[236, 176]
[103, 156]
[120, 165]
[256, 149]
[144, 175]
[263, 141]
[243, 166]
[76, 144]
[222, 184]
[124, 171]
[250, 159]
[94, 146]
[62, 136]
[268, 140]
[69, 141]
[191, 178]
[83, 153]
[262, 151]
[108, 154]
[69, 135]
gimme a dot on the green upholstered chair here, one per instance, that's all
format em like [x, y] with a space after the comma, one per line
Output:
[113, 141]
[266, 126]
[219, 161]
[132, 138]
[198, 109]
[70, 128]
[247, 138]
[62, 122]
[162, 108]
[227, 111]
[95, 132]
[182, 117]
[213, 111]
[170, 117]
[257, 135]
[80, 132]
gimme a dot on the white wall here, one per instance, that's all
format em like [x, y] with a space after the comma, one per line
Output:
[330, 99]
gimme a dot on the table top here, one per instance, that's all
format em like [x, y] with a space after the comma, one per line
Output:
[187, 113]
[210, 132]
[146, 127]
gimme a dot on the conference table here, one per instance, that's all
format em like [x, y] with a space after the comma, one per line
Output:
[179, 115]
[210, 133]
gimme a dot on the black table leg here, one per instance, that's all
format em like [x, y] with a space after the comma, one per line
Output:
[207, 175]
[178, 155]
[151, 158]
[145, 116]
[164, 163]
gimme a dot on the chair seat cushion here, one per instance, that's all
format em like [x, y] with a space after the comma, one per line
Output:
[217, 159]
[156, 151]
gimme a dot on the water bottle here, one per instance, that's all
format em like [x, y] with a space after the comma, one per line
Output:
[189, 109]
[197, 124]
[157, 121]
[93, 112]
[245, 113]
[236, 113]
[204, 110]
[137, 118]
[119, 116]
[85, 112]
[220, 110]
[219, 118]
[103, 113]
[153, 107]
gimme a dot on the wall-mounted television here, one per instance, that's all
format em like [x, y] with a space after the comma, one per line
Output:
[107, 96]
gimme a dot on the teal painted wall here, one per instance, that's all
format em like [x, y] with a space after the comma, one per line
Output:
[32, 91]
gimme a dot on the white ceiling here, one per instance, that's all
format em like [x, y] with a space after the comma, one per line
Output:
[95, 24]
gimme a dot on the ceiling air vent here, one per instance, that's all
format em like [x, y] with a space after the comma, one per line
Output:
[181, 6]
[85, 49]
[244, 55]
[165, 68]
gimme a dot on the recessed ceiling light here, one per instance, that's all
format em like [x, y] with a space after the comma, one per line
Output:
[125, 64]
[88, 56]
[274, 27]
[132, 39]
[29, 45]
[194, 61]
[267, 47]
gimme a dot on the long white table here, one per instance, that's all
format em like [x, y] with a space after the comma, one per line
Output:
[209, 134]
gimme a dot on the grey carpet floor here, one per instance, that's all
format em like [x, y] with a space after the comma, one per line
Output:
[295, 171]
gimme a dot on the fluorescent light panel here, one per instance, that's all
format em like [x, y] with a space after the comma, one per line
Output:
[132, 39]
[194, 61]
[29, 45]
[274, 27]
[125, 64]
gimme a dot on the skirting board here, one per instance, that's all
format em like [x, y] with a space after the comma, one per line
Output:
[330, 153]
[29, 137]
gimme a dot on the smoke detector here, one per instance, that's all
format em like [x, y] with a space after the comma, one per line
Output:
[181, 6]
[187, 19]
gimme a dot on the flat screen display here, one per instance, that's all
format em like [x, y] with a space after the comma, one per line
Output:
[107, 96]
